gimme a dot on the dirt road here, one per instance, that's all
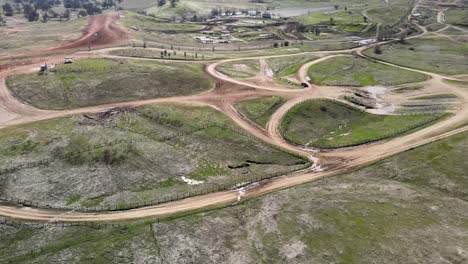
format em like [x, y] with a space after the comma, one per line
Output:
[227, 92]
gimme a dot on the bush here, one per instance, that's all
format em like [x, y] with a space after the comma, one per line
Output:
[377, 49]
[80, 151]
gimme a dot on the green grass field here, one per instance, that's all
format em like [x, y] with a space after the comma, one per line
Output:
[147, 23]
[260, 110]
[354, 71]
[27, 36]
[434, 55]
[326, 124]
[367, 216]
[286, 66]
[127, 156]
[391, 14]
[137, 5]
[100, 81]
[346, 21]
[240, 69]
[457, 17]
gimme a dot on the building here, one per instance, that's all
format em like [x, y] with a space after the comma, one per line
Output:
[267, 15]
[364, 42]
[252, 13]
[214, 40]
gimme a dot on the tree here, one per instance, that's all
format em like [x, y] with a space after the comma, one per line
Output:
[336, 7]
[174, 3]
[7, 9]
[27, 9]
[403, 38]
[66, 14]
[33, 16]
[161, 2]
[45, 17]
[30, 13]
[332, 21]
[106, 4]
[82, 13]
[365, 19]
[91, 9]
[377, 49]
[214, 12]
[53, 14]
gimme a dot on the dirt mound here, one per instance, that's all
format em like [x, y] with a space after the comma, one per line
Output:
[102, 30]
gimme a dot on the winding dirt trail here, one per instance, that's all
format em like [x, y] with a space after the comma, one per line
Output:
[227, 92]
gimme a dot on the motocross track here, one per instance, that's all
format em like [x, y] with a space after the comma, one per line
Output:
[102, 31]
[222, 97]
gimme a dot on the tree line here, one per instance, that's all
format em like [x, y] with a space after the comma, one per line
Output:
[33, 10]
[173, 3]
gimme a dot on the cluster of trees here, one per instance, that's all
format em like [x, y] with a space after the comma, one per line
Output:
[33, 10]
[172, 2]
[29, 8]
[282, 44]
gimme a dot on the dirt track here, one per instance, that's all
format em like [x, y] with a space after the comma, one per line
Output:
[227, 92]
[101, 31]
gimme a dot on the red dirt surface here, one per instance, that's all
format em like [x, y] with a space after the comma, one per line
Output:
[102, 30]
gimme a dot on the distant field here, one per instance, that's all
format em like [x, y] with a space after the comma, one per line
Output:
[137, 5]
[434, 55]
[457, 17]
[240, 69]
[373, 215]
[147, 23]
[391, 14]
[285, 7]
[355, 71]
[260, 110]
[127, 156]
[26, 36]
[99, 81]
[326, 124]
[348, 21]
